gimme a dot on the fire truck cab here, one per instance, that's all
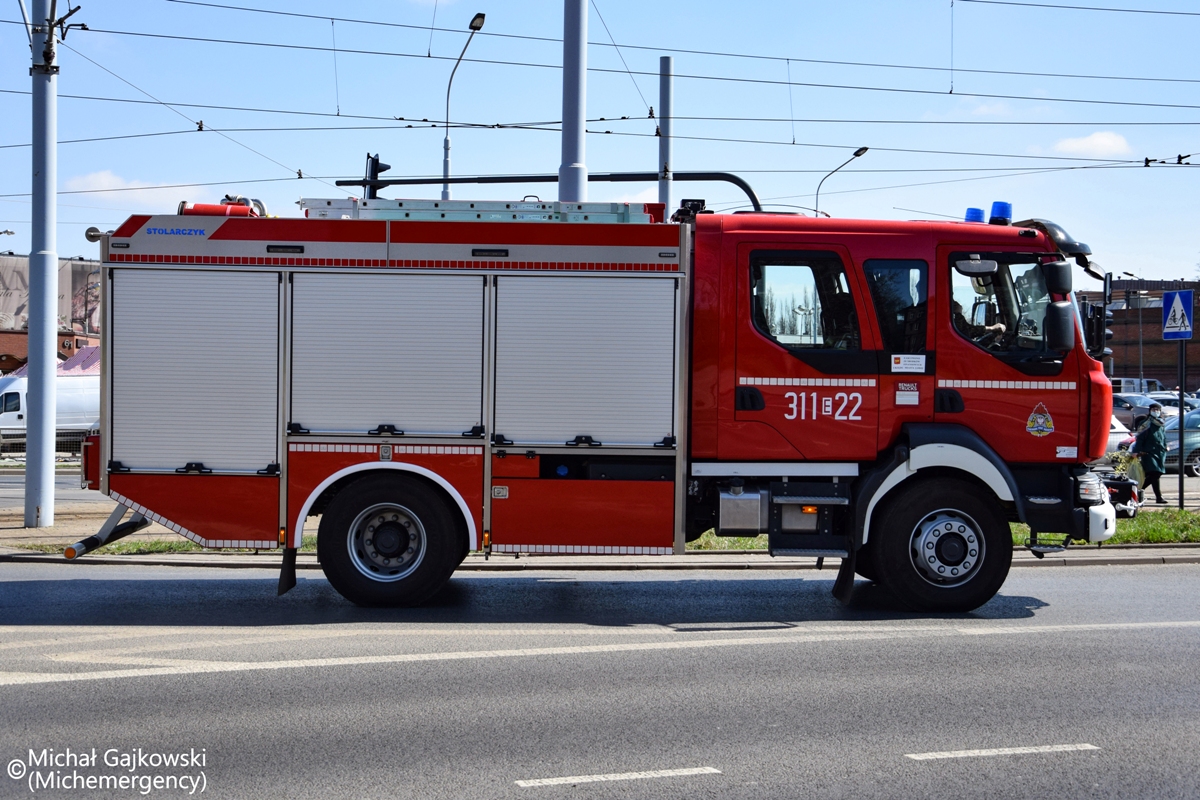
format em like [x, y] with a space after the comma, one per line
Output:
[433, 378]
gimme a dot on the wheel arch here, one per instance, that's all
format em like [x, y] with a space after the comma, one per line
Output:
[947, 450]
[344, 477]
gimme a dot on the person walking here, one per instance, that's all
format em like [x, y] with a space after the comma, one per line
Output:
[1151, 449]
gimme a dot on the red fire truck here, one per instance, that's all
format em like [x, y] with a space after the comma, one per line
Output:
[435, 378]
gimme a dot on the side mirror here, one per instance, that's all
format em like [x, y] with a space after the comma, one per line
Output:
[1057, 275]
[1060, 326]
[976, 267]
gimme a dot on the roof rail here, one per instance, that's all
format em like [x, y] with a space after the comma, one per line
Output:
[614, 177]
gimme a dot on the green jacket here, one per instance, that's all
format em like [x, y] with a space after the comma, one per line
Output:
[1151, 445]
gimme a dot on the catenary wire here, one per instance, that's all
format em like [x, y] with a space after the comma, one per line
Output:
[1085, 8]
[684, 76]
[95, 63]
[732, 140]
[715, 53]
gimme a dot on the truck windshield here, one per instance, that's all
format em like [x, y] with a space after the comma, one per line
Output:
[1004, 312]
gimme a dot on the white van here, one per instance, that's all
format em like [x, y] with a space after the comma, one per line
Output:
[78, 404]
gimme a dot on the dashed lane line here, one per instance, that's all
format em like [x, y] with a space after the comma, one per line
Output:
[1001, 751]
[620, 776]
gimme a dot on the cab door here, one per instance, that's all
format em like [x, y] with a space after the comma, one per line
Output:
[996, 373]
[806, 371]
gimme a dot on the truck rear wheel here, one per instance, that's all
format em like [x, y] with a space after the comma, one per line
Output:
[940, 545]
[388, 540]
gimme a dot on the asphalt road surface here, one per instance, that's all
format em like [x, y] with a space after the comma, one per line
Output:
[670, 685]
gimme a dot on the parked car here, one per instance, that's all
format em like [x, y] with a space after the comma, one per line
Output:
[1172, 399]
[1118, 435]
[1132, 409]
[1191, 444]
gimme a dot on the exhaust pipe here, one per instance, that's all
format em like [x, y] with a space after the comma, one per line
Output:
[112, 530]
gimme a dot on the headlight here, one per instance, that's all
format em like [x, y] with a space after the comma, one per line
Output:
[1173, 445]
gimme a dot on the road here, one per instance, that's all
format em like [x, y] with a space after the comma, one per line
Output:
[682, 685]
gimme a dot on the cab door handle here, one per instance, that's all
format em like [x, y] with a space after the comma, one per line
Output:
[948, 401]
[748, 398]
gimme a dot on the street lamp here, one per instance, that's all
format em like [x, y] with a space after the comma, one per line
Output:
[1141, 359]
[476, 24]
[817, 201]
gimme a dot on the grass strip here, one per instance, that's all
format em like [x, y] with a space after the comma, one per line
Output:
[146, 547]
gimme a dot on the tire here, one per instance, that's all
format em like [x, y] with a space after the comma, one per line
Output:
[1192, 465]
[962, 536]
[352, 552]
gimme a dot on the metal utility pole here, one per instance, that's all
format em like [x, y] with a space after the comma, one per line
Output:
[572, 173]
[666, 89]
[475, 26]
[43, 274]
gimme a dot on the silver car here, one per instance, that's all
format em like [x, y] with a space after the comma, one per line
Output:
[1132, 409]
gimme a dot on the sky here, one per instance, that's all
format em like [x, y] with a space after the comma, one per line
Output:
[961, 103]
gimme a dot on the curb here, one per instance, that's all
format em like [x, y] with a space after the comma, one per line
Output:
[564, 563]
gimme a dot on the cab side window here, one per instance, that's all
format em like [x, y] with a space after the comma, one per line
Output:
[802, 301]
[899, 289]
[10, 401]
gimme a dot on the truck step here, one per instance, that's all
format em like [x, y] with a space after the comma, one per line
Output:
[810, 553]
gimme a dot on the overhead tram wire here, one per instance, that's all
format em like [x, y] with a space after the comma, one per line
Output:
[684, 76]
[299, 173]
[714, 53]
[4, 197]
[1085, 8]
[623, 118]
[543, 127]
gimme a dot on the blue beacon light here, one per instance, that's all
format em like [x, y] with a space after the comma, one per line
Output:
[974, 215]
[1001, 213]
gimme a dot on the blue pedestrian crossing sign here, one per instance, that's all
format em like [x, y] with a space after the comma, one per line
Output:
[1177, 315]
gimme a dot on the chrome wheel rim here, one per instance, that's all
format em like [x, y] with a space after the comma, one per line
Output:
[1193, 464]
[386, 542]
[946, 548]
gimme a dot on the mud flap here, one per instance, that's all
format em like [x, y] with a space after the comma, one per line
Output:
[287, 573]
[845, 579]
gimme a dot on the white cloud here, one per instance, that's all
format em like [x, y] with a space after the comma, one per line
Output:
[647, 195]
[158, 201]
[1100, 144]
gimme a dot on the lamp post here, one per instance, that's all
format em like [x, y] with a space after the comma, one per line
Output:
[817, 201]
[1141, 359]
[476, 24]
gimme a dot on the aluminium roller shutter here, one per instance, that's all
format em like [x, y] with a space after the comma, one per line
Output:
[195, 359]
[585, 356]
[403, 350]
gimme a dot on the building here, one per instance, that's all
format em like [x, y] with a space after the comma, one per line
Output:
[78, 308]
[1138, 349]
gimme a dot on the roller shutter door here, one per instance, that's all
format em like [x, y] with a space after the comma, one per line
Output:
[585, 357]
[195, 359]
[403, 350]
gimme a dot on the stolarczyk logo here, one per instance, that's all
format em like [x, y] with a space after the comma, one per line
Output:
[136, 770]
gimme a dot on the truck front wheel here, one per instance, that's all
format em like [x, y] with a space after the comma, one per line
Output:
[387, 540]
[941, 545]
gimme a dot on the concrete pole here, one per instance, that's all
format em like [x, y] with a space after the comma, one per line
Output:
[572, 173]
[666, 91]
[40, 418]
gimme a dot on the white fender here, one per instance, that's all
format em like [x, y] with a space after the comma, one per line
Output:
[952, 456]
[377, 465]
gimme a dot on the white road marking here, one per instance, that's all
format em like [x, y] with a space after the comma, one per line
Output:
[1001, 751]
[798, 635]
[621, 776]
